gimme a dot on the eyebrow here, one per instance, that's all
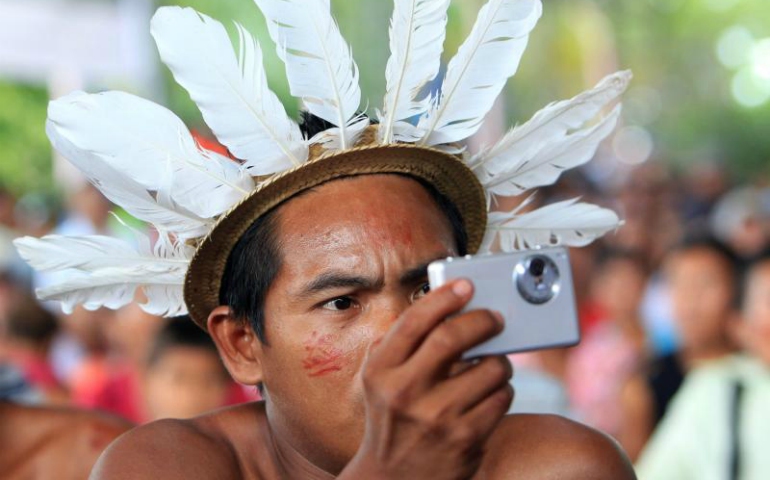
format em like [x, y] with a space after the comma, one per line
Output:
[336, 279]
[332, 279]
[416, 274]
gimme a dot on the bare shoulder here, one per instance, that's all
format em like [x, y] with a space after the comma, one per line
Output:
[167, 449]
[550, 447]
[95, 429]
[54, 442]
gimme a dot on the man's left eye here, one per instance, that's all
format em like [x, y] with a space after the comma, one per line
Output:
[421, 292]
[339, 304]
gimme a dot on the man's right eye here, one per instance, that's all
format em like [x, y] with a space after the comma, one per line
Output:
[421, 292]
[338, 304]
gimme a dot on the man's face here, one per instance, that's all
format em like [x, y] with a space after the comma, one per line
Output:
[701, 286]
[354, 256]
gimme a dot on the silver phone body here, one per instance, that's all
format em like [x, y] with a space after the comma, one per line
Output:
[539, 313]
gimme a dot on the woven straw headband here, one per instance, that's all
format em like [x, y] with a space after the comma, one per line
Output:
[447, 173]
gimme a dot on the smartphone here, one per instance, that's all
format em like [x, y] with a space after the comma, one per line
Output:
[532, 289]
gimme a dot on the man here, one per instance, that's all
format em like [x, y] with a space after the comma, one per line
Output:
[722, 404]
[306, 259]
[701, 279]
[357, 368]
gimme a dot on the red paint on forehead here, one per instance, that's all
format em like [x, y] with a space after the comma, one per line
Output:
[382, 211]
[322, 356]
[384, 230]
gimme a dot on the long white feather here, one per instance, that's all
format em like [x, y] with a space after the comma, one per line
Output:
[563, 223]
[232, 93]
[105, 271]
[137, 137]
[121, 190]
[477, 74]
[417, 33]
[553, 122]
[319, 63]
[521, 156]
[555, 156]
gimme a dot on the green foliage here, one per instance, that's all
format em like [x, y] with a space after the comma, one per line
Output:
[25, 154]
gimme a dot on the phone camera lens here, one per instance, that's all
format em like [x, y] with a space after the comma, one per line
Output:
[536, 267]
[537, 279]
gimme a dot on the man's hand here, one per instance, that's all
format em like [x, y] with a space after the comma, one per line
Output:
[426, 419]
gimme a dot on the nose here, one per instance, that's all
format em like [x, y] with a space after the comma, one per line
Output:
[390, 309]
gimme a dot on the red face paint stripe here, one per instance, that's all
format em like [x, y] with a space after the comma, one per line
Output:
[322, 357]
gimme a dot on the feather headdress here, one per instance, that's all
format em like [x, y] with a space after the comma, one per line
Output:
[143, 158]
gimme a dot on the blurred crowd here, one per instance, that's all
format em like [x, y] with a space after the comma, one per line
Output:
[125, 362]
[674, 360]
[674, 310]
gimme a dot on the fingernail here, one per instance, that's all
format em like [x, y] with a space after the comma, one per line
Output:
[499, 317]
[462, 288]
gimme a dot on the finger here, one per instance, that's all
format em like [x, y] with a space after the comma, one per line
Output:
[463, 392]
[483, 418]
[416, 322]
[461, 366]
[446, 343]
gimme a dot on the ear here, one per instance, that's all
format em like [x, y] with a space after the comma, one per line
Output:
[238, 345]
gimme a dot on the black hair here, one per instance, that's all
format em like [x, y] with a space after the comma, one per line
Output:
[310, 125]
[255, 259]
[699, 239]
[179, 332]
[633, 256]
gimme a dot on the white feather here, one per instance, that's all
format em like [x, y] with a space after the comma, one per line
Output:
[232, 93]
[555, 156]
[563, 223]
[496, 219]
[121, 190]
[521, 157]
[137, 137]
[319, 63]
[105, 271]
[417, 33]
[477, 74]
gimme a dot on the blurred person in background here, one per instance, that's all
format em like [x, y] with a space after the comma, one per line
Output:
[184, 375]
[701, 277]
[88, 213]
[718, 425]
[705, 182]
[647, 201]
[129, 335]
[41, 443]
[611, 352]
[13, 384]
[741, 220]
[652, 226]
[25, 342]
[79, 351]
[13, 270]
[161, 369]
